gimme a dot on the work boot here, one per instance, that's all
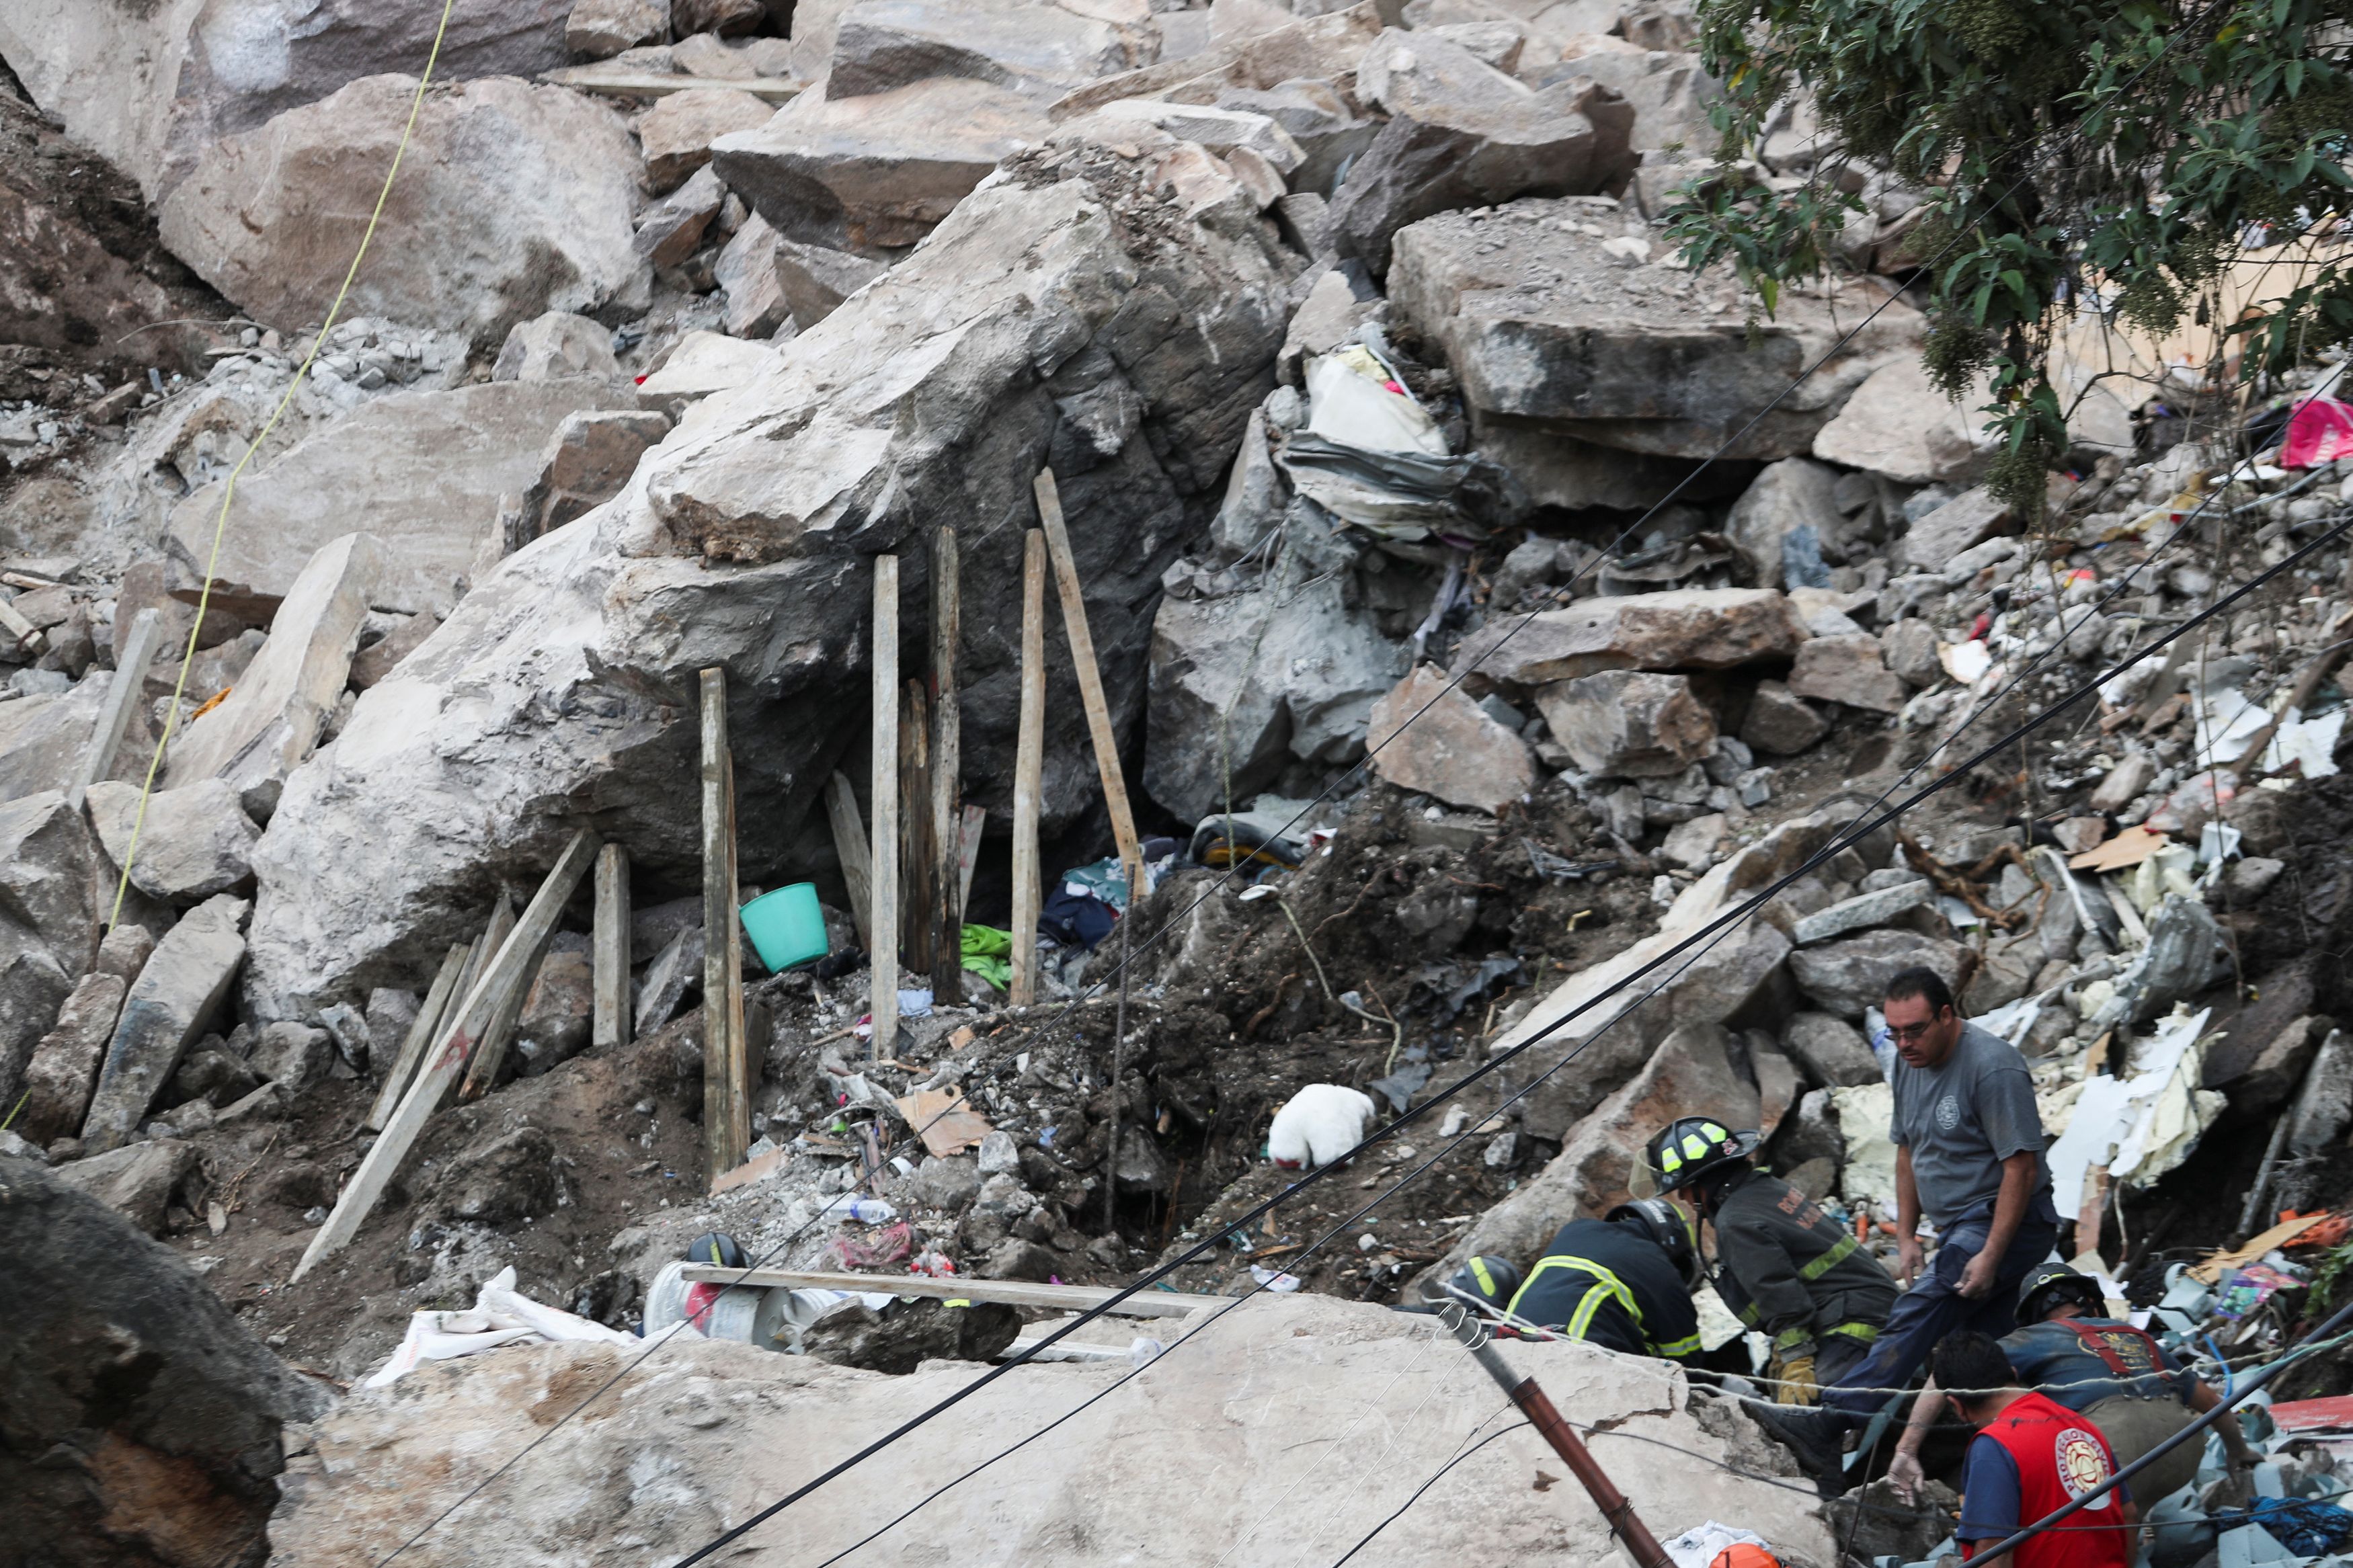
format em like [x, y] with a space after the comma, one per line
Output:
[1813, 1437]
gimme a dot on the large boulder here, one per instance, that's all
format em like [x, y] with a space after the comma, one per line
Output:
[1846, 976]
[64, 1066]
[721, 1422]
[513, 200]
[150, 85]
[1899, 424]
[271, 719]
[1546, 325]
[144, 1420]
[1789, 510]
[1428, 735]
[874, 174]
[562, 689]
[167, 1007]
[51, 884]
[676, 132]
[45, 737]
[183, 845]
[1461, 133]
[1628, 723]
[422, 470]
[137, 1181]
[1682, 629]
[1031, 46]
[1243, 684]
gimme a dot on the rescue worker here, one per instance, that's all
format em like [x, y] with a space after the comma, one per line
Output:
[1783, 1266]
[2032, 1457]
[1623, 1281]
[1486, 1280]
[2118, 1377]
[1969, 1155]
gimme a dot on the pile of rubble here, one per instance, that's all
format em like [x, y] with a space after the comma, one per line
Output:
[1355, 347]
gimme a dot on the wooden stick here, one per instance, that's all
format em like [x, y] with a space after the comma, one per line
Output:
[419, 1035]
[1029, 770]
[23, 634]
[121, 699]
[946, 908]
[1091, 688]
[916, 893]
[849, 844]
[646, 84]
[740, 1076]
[1014, 1292]
[447, 1060]
[721, 1060]
[490, 1054]
[610, 952]
[975, 822]
[502, 922]
[883, 860]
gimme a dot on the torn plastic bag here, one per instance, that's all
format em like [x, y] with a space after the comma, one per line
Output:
[2320, 431]
[1353, 401]
[1257, 837]
[1399, 495]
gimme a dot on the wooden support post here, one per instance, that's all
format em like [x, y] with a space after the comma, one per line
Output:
[439, 1070]
[491, 1052]
[883, 860]
[1091, 688]
[739, 1048]
[1029, 769]
[610, 1026]
[721, 1054]
[916, 866]
[849, 844]
[120, 701]
[420, 1035]
[486, 948]
[946, 908]
[975, 822]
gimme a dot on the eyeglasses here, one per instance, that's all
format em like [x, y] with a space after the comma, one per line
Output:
[1905, 1033]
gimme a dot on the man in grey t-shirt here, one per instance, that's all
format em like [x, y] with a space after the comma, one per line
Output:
[1968, 1154]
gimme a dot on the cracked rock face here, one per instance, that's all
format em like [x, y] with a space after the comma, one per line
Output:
[561, 692]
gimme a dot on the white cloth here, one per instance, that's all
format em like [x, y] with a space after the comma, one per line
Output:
[1318, 1124]
[1698, 1547]
[501, 1315]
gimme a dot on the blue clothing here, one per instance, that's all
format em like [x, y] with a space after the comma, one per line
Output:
[1935, 1307]
[1990, 1492]
[2061, 1359]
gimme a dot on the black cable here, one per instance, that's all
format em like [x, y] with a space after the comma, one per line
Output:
[1393, 1518]
[1707, 934]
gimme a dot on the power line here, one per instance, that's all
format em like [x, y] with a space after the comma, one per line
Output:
[1708, 934]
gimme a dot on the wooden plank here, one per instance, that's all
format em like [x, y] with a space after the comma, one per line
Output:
[447, 1060]
[1029, 769]
[946, 908]
[882, 858]
[916, 866]
[609, 950]
[22, 632]
[944, 1120]
[491, 1053]
[975, 822]
[739, 1047]
[649, 84]
[420, 1035]
[1091, 688]
[122, 696]
[849, 844]
[720, 1056]
[1014, 1292]
[486, 948]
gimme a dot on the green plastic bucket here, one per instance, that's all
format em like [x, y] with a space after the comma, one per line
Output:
[785, 926]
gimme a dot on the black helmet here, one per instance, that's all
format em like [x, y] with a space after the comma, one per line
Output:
[2046, 1284]
[716, 1248]
[1669, 1225]
[1486, 1277]
[1688, 1147]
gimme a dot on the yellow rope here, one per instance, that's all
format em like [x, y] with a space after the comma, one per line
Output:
[228, 491]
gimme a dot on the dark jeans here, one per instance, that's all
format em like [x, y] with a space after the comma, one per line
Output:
[1935, 1307]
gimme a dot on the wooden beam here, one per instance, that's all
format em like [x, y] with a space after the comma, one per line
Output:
[915, 863]
[420, 1035]
[22, 634]
[122, 694]
[721, 1056]
[1090, 688]
[486, 948]
[441, 1067]
[849, 844]
[1013, 1292]
[647, 84]
[609, 952]
[947, 908]
[882, 858]
[975, 823]
[741, 1076]
[1029, 770]
[491, 1051]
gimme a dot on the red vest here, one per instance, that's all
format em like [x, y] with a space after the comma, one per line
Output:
[2060, 1456]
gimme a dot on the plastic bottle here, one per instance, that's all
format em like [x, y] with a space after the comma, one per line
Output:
[858, 1206]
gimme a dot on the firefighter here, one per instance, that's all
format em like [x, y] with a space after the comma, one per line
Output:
[1783, 1266]
[1623, 1281]
[2117, 1376]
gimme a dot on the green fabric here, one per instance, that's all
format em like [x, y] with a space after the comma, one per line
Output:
[989, 953]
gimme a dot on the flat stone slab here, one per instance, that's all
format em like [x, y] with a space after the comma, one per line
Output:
[1862, 910]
